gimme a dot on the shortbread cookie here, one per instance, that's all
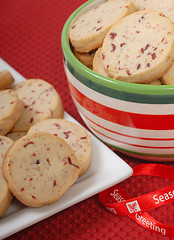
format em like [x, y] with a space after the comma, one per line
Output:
[6, 79]
[75, 135]
[89, 29]
[164, 7]
[156, 82]
[85, 58]
[139, 47]
[41, 102]
[8, 103]
[5, 194]
[7, 124]
[40, 168]
[11, 109]
[98, 63]
[168, 77]
[16, 135]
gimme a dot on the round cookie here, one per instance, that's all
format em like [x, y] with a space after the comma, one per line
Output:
[164, 7]
[85, 58]
[7, 124]
[11, 109]
[15, 135]
[89, 29]
[6, 79]
[41, 102]
[139, 48]
[75, 135]
[98, 63]
[5, 194]
[156, 82]
[40, 168]
[168, 77]
[8, 103]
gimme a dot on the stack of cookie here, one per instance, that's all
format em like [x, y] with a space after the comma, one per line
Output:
[42, 154]
[133, 40]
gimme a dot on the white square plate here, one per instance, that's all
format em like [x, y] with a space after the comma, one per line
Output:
[106, 170]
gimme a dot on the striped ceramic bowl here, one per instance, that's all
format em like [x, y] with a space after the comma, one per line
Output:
[135, 119]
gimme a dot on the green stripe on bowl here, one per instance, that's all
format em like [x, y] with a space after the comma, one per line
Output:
[118, 94]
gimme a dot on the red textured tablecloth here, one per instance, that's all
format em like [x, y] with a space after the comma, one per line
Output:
[30, 41]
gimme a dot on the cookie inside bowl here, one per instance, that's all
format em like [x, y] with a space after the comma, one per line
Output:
[134, 118]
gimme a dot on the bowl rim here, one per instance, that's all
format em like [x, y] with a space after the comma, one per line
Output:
[98, 78]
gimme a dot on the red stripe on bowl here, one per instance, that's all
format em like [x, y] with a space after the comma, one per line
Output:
[131, 144]
[126, 135]
[134, 120]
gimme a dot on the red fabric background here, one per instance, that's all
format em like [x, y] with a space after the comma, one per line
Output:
[30, 41]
